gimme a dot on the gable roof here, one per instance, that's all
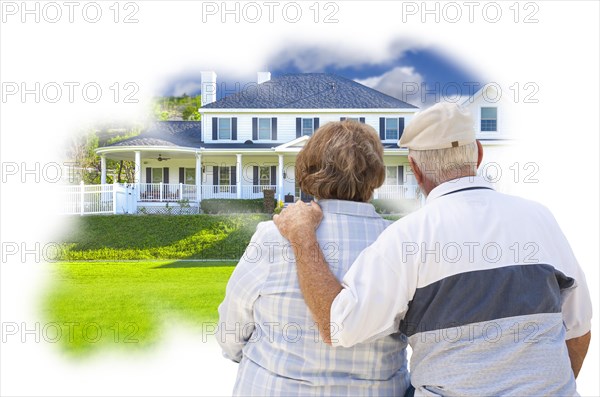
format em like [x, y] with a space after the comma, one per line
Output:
[167, 133]
[309, 91]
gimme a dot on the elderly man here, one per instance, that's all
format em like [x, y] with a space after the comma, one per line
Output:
[484, 285]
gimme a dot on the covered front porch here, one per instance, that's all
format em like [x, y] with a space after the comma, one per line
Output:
[176, 174]
[168, 176]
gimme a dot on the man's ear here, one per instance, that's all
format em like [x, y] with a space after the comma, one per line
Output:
[479, 152]
[416, 171]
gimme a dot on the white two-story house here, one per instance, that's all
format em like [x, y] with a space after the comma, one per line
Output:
[248, 141]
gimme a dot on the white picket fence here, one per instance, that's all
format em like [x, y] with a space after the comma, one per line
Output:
[97, 199]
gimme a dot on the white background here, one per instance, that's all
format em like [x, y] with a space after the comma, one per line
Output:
[559, 53]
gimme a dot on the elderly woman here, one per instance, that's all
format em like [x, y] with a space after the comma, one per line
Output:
[264, 323]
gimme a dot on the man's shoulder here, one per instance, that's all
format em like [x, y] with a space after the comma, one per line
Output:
[435, 210]
[526, 206]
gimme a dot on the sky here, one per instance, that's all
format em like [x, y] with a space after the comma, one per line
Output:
[419, 76]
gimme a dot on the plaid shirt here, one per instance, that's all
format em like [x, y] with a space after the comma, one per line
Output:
[265, 324]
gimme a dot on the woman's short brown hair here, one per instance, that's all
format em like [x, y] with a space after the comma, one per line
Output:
[342, 160]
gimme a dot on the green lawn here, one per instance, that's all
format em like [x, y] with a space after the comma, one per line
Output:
[100, 305]
[105, 305]
[122, 237]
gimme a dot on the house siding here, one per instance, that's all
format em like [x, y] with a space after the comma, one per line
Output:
[286, 124]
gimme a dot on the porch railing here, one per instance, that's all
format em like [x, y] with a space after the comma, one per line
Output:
[396, 192]
[231, 191]
[160, 192]
[256, 191]
[119, 198]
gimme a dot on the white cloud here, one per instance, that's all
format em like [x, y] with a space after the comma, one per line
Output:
[317, 57]
[402, 82]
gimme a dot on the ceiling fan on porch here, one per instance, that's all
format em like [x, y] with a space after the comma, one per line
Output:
[160, 158]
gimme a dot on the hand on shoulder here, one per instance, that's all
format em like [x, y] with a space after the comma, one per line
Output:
[298, 219]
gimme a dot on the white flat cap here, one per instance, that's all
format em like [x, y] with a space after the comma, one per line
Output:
[441, 126]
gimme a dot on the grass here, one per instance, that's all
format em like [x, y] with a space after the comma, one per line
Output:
[104, 305]
[121, 237]
[97, 304]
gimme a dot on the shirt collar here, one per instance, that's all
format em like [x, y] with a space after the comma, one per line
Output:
[458, 184]
[348, 208]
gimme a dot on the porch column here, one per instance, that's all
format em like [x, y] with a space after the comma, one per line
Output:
[137, 177]
[103, 170]
[198, 176]
[238, 172]
[280, 180]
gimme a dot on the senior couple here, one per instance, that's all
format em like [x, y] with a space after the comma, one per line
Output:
[483, 286]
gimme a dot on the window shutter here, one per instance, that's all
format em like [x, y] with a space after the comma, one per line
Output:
[400, 126]
[400, 175]
[181, 175]
[255, 175]
[273, 175]
[342, 118]
[234, 128]
[148, 175]
[254, 128]
[166, 174]
[382, 128]
[274, 128]
[215, 123]
[298, 127]
[215, 175]
[362, 120]
[233, 176]
[316, 124]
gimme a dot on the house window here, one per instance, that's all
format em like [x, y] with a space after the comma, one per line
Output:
[357, 119]
[394, 175]
[264, 174]
[489, 119]
[224, 128]
[190, 176]
[391, 128]
[264, 128]
[157, 175]
[307, 127]
[224, 176]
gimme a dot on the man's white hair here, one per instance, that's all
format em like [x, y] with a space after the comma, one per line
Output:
[440, 165]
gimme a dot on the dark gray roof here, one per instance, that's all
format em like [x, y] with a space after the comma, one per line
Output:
[167, 133]
[309, 91]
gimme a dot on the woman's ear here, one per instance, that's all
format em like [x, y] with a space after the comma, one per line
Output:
[479, 153]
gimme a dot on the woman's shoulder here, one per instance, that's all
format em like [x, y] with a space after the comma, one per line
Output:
[267, 231]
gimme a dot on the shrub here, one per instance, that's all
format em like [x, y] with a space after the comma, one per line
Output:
[389, 206]
[232, 206]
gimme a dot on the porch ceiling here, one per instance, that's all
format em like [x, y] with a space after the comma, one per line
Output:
[149, 154]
